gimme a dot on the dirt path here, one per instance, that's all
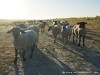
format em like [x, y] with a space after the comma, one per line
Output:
[51, 59]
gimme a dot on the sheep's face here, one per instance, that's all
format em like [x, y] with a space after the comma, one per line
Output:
[64, 27]
[81, 24]
[55, 23]
[15, 32]
[44, 23]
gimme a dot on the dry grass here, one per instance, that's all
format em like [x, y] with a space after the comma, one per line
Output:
[73, 57]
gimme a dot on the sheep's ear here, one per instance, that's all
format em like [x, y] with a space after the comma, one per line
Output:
[9, 31]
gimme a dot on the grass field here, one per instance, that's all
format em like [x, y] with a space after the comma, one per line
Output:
[50, 58]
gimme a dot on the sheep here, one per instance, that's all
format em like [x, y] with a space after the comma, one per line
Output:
[20, 24]
[79, 31]
[42, 26]
[55, 23]
[23, 40]
[30, 21]
[31, 27]
[64, 23]
[55, 31]
[34, 28]
[66, 33]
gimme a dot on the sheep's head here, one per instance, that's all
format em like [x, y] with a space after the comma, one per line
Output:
[55, 23]
[15, 32]
[81, 24]
[64, 27]
[44, 23]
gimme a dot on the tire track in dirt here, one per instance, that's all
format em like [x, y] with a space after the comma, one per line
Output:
[52, 59]
[81, 56]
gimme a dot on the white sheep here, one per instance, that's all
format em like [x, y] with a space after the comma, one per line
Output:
[31, 27]
[42, 26]
[34, 28]
[79, 31]
[55, 23]
[56, 29]
[23, 40]
[66, 33]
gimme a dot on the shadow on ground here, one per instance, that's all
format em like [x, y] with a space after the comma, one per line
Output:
[40, 64]
[93, 36]
[89, 54]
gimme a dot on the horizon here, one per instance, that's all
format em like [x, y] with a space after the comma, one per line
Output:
[54, 18]
[48, 9]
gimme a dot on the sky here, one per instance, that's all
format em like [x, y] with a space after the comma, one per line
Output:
[47, 9]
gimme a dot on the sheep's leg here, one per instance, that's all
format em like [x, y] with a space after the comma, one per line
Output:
[23, 55]
[69, 37]
[37, 41]
[32, 50]
[16, 53]
[66, 39]
[43, 29]
[76, 38]
[83, 41]
[73, 34]
[55, 39]
[63, 40]
[79, 40]
[73, 39]
[59, 35]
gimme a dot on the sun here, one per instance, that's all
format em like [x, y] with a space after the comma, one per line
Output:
[12, 9]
